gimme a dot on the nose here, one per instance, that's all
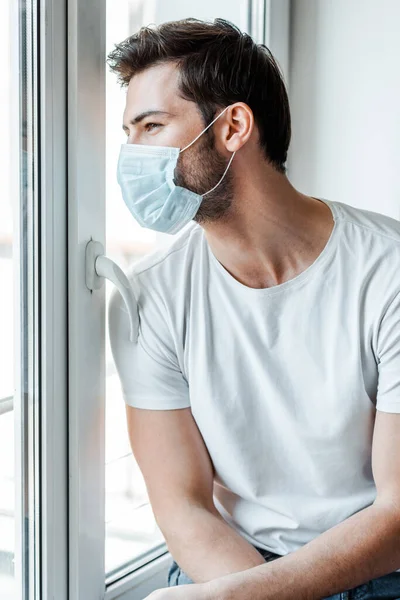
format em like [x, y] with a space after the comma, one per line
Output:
[131, 139]
[132, 136]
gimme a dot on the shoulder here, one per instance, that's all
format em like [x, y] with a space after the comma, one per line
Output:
[382, 228]
[164, 259]
[159, 276]
[156, 280]
[370, 249]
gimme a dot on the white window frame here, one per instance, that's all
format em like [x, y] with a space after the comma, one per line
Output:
[54, 281]
[86, 311]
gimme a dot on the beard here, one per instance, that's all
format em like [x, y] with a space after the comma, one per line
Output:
[199, 172]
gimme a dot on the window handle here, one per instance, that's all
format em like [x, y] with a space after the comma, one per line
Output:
[99, 267]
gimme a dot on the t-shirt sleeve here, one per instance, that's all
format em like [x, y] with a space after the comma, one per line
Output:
[388, 346]
[148, 369]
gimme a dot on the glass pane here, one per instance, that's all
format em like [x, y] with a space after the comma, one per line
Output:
[131, 530]
[7, 504]
[18, 303]
[27, 305]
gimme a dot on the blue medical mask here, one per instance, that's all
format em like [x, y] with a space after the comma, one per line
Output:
[146, 176]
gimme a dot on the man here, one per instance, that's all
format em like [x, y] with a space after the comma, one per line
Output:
[263, 392]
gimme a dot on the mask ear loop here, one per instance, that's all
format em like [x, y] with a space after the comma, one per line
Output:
[201, 133]
[229, 164]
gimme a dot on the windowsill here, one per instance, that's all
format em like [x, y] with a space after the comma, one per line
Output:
[144, 579]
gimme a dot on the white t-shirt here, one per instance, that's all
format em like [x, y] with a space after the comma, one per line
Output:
[283, 382]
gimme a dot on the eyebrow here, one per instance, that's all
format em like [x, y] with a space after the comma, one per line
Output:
[145, 114]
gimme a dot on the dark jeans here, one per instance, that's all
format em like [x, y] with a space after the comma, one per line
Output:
[382, 588]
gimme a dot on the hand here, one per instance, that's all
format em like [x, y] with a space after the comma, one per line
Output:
[228, 587]
[193, 591]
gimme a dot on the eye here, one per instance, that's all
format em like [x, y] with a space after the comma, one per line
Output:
[150, 126]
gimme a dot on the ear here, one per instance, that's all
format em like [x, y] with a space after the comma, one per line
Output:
[237, 126]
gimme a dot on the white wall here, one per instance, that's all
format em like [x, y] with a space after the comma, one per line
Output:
[344, 88]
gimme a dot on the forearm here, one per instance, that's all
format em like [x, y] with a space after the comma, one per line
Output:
[205, 546]
[363, 547]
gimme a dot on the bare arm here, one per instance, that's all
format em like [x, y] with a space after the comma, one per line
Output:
[178, 473]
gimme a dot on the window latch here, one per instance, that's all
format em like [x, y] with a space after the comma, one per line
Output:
[99, 267]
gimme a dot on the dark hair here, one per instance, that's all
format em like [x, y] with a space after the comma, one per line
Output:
[218, 65]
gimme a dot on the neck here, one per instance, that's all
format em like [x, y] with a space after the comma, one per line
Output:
[272, 231]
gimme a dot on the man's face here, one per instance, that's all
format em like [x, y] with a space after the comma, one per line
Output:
[155, 114]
